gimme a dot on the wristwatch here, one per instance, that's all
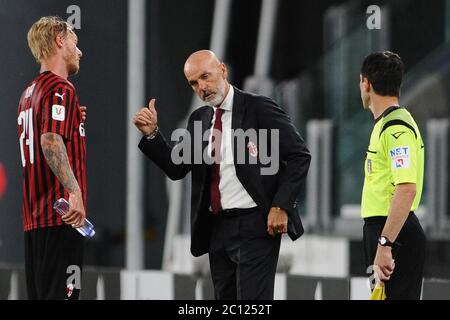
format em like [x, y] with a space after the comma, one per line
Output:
[385, 242]
[152, 135]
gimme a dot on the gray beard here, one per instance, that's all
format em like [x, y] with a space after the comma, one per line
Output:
[216, 102]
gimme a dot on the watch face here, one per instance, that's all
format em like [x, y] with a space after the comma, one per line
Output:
[383, 241]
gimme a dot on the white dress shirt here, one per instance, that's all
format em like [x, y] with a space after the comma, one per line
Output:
[232, 193]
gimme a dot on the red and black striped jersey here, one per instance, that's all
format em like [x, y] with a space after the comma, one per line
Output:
[48, 104]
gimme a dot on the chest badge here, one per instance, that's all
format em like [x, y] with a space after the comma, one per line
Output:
[252, 149]
[369, 166]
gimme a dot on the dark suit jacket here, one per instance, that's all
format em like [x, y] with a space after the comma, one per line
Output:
[280, 190]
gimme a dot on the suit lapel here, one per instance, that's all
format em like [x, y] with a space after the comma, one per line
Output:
[238, 109]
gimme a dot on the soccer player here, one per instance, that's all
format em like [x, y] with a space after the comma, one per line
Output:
[394, 240]
[53, 152]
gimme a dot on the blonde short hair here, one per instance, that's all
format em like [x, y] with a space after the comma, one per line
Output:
[42, 35]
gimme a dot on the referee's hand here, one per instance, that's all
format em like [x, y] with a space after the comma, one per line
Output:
[76, 214]
[385, 263]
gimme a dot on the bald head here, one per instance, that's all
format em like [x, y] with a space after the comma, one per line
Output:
[202, 58]
[207, 76]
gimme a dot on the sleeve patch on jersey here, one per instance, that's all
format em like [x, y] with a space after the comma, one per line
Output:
[58, 112]
[400, 157]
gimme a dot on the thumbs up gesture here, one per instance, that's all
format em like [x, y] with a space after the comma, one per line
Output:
[146, 120]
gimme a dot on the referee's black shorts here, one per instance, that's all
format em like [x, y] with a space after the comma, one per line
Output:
[406, 281]
[53, 257]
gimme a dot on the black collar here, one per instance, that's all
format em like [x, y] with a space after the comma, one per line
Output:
[387, 111]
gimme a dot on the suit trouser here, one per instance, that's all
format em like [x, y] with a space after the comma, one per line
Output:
[406, 281]
[243, 257]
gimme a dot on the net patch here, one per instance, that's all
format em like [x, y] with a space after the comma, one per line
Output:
[401, 157]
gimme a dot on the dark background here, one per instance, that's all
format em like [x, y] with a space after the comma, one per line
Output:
[174, 30]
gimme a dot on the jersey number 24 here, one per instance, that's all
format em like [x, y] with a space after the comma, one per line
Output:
[26, 138]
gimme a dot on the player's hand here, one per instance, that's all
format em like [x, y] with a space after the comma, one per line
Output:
[76, 215]
[385, 263]
[83, 113]
[146, 120]
[277, 221]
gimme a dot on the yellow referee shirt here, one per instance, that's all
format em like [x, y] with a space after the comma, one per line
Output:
[395, 156]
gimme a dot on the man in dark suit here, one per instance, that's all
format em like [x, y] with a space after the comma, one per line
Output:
[240, 207]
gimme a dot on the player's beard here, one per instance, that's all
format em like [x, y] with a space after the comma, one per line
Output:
[72, 68]
[73, 64]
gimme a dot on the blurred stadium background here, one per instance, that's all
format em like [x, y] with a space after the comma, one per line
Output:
[306, 55]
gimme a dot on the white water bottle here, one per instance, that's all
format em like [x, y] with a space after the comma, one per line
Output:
[62, 207]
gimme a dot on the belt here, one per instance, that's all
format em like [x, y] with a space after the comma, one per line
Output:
[228, 213]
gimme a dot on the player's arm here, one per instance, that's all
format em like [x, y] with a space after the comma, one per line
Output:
[55, 154]
[57, 127]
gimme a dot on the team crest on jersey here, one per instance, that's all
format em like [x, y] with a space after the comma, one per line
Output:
[58, 112]
[69, 290]
[400, 157]
[252, 149]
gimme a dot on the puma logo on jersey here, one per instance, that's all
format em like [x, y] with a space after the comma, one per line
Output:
[398, 134]
[61, 96]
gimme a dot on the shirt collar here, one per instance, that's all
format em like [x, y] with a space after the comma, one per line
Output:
[386, 112]
[227, 104]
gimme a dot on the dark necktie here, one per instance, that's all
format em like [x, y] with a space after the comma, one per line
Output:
[216, 142]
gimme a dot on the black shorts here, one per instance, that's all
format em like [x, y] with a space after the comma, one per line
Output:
[406, 281]
[53, 263]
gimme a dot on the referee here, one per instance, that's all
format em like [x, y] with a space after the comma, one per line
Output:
[393, 237]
